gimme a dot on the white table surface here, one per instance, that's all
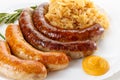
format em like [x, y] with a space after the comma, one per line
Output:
[116, 76]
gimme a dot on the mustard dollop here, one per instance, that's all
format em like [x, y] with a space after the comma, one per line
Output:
[95, 65]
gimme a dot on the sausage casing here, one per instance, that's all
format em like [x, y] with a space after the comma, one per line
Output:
[22, 49]
[18, 69]
[75, 49]
[93, 32]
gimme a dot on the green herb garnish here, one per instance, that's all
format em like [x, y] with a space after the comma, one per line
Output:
[2, 36]
[11, 17]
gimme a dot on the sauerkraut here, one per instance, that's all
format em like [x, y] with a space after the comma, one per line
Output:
[75, 14]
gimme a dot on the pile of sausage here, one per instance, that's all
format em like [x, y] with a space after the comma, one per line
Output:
[43, 36]
[38, 47]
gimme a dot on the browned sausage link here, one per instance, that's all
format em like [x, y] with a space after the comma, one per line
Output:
[93, 32]
[22, 49]
[41, 42]
[17, 69]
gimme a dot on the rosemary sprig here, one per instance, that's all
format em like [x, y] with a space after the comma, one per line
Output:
[2, 17]
[2, 14]
[11, 17]
[2, 36]
[34, 7]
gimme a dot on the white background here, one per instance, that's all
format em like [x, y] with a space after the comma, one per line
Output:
[109, 47]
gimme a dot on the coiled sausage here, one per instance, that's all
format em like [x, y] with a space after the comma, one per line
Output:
[75, 49]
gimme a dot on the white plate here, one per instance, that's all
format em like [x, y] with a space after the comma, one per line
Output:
[109, 47]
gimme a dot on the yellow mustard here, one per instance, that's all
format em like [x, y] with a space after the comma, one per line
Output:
[95, 65]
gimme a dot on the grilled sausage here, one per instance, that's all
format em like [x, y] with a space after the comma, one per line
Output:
[74, 49]
[15, 68]
[52, 60]
[93, 32]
